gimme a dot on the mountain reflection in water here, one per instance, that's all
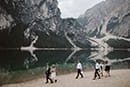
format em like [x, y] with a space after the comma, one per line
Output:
[19, 60]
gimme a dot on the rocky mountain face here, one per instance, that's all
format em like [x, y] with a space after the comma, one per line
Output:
[21, 21]
[38, 22]
[108, 21]
[108, 16]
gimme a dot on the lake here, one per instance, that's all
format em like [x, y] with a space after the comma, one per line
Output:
[14, 60]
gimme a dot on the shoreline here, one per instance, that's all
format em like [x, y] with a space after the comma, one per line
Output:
[119, 78]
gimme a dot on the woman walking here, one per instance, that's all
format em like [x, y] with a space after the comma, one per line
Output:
[53, 73]
[107, 68]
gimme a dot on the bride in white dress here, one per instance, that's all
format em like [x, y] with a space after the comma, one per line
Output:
[53, 73]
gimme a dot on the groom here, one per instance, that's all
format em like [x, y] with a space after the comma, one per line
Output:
[79, 69]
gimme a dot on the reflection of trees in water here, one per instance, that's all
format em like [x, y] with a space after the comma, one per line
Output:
[102, 54]
[63, 55]
[31, 49]
[73, 52]
[16, 60]
[13, 59]
[111, 56]
[34, 58]
[57, 56]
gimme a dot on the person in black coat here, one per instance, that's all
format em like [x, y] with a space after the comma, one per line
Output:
[48, 73]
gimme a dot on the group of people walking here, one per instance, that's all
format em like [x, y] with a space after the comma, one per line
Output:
[99, 67]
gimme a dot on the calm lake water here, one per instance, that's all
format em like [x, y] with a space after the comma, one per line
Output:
[13, 60]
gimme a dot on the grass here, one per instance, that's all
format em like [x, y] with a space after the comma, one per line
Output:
[20, 76]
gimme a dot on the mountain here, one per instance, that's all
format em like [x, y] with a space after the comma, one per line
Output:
[109, 19]
[21, 21]
[27, 23]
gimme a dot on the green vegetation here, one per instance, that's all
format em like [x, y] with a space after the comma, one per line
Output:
[118, 43]
[19, 76]
[51, 41]
[118, 54]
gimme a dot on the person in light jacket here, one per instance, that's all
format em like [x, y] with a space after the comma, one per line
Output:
[79, 69]
[97, 67]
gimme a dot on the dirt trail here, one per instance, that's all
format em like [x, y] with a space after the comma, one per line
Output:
[119, 78]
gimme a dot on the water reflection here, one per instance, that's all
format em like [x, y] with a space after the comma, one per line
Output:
[19, 60]
[13, 59]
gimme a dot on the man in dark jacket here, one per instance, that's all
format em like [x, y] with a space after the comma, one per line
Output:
[48, 73]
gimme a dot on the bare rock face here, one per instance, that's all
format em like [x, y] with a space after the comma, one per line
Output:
[21, 21]
[6, 20]
[108, 16]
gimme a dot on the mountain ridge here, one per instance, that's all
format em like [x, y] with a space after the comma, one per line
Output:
[22, 21]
